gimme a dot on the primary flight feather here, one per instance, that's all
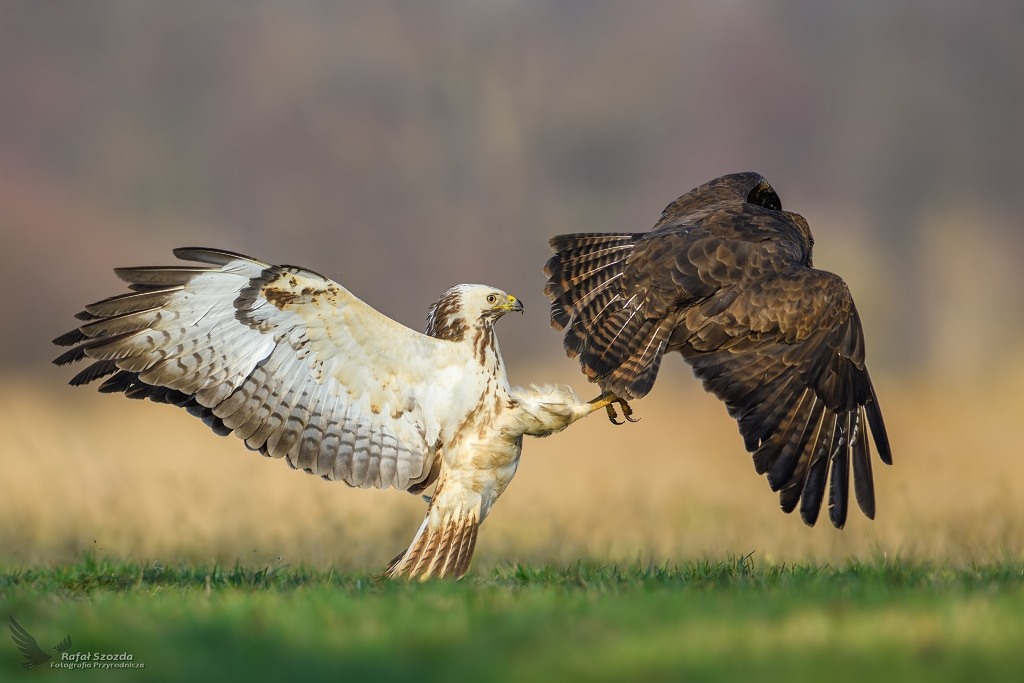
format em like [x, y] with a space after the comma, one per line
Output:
[725, 278]
[300, 369]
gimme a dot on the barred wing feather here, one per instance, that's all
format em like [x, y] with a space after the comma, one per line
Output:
[288, 360]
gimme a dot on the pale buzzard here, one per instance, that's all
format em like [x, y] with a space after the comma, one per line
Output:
[300, 369]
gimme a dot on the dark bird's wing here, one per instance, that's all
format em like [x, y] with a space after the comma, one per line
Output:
[725, 280]
[619, 296]
[64, 645]
[787, 358]
[28, 646]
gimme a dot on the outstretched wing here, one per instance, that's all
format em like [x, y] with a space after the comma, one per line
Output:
[616, 294]
[787, 358]
[288, 360]
[27, 645]
[779, 342]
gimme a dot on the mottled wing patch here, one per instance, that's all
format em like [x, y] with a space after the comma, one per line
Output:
[282, 357]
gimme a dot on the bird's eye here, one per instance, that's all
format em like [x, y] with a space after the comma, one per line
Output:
[491, 299]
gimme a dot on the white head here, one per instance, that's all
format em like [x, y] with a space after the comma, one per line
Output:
[464, 307]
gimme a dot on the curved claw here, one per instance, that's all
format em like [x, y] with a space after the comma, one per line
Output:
[608, 401]
[612, 414]
[627, 412]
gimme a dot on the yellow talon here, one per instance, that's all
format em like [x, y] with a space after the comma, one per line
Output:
[627, 412]
[608, 401]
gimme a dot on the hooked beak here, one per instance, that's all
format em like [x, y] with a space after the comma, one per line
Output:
[513, 304]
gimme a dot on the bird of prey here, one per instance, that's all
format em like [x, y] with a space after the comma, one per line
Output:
[27, 645]
[300, 369]
[725, 278]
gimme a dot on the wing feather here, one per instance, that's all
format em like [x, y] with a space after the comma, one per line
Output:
[863, 482]
[794, 333]
[286, 359]
[728, 284]
[839, 484]
[817, 470]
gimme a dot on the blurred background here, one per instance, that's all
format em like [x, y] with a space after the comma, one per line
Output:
[402, 147]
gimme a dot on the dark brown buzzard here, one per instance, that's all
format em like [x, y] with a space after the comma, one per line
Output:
[725, 278]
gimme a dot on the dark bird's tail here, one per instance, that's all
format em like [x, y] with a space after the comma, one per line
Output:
[580, 275]
[617, 345]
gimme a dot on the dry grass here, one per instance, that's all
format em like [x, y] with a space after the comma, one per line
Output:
[81, 471]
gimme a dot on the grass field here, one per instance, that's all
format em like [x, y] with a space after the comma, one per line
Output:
[696, 621]
[86, 471]
[932, 590]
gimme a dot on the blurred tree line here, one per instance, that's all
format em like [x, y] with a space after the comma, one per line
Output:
[401, 147]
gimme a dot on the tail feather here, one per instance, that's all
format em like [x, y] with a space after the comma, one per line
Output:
[635, 376]
[574, 244]
[442, 548]
[618, 346]
[582, 266]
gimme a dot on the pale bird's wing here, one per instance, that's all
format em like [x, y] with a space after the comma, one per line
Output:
[288, 360]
